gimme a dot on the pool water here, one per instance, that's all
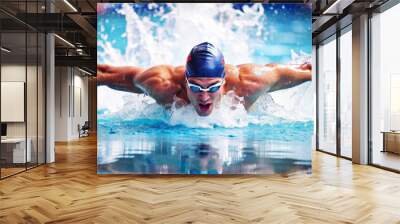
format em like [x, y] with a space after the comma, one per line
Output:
[148, 146]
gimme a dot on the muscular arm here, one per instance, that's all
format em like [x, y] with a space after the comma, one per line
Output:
[254, 80]
[287, 77]
[119, 78]
[160, 82]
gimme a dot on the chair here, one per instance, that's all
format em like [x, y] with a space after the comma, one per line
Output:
[84, 130]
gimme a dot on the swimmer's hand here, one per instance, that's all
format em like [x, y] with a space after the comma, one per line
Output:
[305, 66]
[118, 78]
[287, 76]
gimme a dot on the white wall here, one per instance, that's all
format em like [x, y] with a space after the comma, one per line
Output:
[62, 81]
[71, 94]
[81, 102]
[33, 127]
[14, 73]
[10, 73]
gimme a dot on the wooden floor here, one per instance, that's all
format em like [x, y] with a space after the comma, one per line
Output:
[387, 159]
[70, 191]
[10, 171]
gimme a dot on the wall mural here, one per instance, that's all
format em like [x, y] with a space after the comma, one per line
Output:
[204, 88]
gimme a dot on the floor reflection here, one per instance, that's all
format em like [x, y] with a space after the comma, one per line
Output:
[158, 149]
[201, 159]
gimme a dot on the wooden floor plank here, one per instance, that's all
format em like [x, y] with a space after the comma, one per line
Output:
[70, 191]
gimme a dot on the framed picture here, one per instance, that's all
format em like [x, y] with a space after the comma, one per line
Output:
[204, 88]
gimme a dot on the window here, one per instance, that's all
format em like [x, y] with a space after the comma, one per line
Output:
[385, 89]
[22, 77]
[346, 93]
[327, 96]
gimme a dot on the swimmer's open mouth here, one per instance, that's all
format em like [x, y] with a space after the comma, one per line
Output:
[204, 106]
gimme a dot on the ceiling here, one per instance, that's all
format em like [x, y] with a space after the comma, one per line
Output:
[75, 21]
[332, 15]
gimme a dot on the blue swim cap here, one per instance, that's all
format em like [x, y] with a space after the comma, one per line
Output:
[205, 60]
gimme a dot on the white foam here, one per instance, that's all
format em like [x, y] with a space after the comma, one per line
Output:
[230, 113]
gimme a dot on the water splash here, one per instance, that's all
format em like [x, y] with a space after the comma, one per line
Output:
[237, 33]
[181, 29]
[230, 105]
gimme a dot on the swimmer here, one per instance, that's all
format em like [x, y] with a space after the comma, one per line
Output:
[204, 79]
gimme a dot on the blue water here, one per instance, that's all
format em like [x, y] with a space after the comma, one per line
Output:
[149, 146]
[135, 136]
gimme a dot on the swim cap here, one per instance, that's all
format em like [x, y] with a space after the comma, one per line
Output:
[205, 60]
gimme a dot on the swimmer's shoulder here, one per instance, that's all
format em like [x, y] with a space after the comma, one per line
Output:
[231, 71]
[179, 70]
[179, 74]
[232, 78]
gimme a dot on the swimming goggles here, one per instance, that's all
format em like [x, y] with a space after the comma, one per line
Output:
[212, 89]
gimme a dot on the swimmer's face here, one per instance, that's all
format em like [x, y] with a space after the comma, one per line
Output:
[204, 101]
